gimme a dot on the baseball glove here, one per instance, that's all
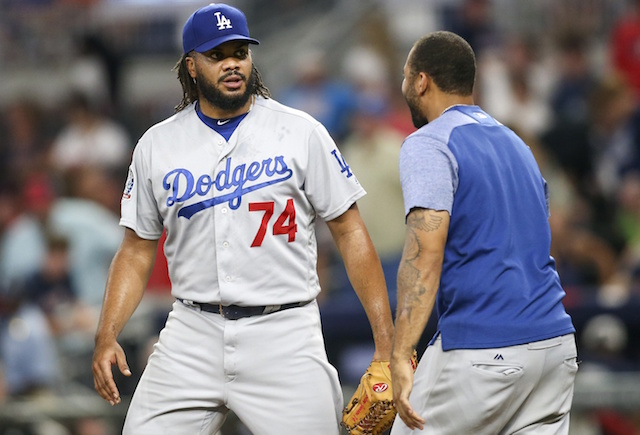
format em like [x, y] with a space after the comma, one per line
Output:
[371, 409]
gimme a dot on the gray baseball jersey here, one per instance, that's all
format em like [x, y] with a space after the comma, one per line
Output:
[239, 215]
[240, 218]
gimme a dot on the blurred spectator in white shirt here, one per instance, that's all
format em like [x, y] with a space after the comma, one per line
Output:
[514, 85]
[89, 139]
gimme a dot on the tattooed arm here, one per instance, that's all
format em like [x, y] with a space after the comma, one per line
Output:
[418, 281]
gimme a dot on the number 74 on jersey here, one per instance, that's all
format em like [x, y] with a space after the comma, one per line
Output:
[284, 224]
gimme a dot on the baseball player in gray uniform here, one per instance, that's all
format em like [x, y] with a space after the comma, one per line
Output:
[237, 180]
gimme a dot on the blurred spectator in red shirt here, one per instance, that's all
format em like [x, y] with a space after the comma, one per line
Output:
[625, 46]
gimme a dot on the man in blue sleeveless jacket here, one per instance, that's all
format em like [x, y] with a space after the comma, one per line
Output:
[503, 359]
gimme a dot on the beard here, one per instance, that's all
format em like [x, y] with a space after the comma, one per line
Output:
[228, 103]
[418, 119]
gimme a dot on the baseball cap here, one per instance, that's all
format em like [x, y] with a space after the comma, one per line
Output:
[213, 25]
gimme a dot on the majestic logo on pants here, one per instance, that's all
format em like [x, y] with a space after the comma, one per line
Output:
[242, 178]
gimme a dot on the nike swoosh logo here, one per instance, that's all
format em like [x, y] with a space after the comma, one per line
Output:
[223, 122]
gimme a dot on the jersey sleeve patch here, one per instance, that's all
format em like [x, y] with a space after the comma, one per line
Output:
[128, 186]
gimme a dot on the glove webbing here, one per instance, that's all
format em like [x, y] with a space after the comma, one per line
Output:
[370, 422]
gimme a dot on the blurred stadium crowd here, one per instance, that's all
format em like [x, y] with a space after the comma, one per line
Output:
[79, 83]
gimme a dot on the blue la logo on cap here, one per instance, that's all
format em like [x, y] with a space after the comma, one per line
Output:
[213, 25]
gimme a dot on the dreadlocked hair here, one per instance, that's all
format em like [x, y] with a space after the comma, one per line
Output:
[190, 91]
[261, 89]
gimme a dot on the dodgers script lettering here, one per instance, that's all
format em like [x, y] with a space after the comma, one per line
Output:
[232, 182]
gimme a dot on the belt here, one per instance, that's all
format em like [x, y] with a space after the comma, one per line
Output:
[235, 312]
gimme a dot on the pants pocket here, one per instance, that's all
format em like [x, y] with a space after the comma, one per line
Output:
[497, 370]
[571, 363]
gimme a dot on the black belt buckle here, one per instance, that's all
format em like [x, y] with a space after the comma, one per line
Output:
[235, 312]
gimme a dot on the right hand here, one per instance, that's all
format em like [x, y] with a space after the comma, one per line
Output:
[402, 381]
[104, 356]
